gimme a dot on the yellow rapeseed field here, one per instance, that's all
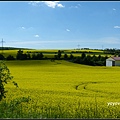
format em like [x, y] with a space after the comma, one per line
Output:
[62, 89]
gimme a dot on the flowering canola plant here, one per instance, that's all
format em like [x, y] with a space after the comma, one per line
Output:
[61, 89]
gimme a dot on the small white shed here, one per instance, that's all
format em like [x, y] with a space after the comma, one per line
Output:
[113, 61]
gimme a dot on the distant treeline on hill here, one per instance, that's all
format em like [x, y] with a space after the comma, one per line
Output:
[12, 48]
[83, 59]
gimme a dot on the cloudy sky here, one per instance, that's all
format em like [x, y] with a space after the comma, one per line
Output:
[60, 24]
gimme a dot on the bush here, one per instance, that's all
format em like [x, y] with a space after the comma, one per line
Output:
[5, 77]
[10, 57]
[2, 57]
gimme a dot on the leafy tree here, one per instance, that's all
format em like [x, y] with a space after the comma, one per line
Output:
[55, 56]
[24, 57]
[95, 58]
[2, 57]
[88, 60]
[5, 77]
[39, 56]
[28, 56]
[83, 55]
[99, 57]
[59, 54]
[77, 60]
[33, 56]
[65, 56]
[71, 56]
[10, 57]
[119, 55]
[19, 55]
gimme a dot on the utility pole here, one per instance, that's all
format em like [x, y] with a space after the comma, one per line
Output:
[78, 46]
[2, 45]
[102, 47]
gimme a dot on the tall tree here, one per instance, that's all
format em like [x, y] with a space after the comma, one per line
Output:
[71, 57]
[59, 54]
[65, 56]
[19, 55]
[83, 55]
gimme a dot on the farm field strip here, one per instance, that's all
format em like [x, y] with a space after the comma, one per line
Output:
[63, 88]
[63, 75]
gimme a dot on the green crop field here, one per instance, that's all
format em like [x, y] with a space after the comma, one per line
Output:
[61, 89]
[51, 53]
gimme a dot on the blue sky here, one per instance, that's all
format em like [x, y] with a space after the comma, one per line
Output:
[60, 24]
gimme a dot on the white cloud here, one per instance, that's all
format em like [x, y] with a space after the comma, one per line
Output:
[114, 9]
[76, 6]
[51, 4]
[116, 26]
[72, 7]
[60, 5]
[67, 30]
[34, 3]
[79, 5]
[36, 36]
[23, 27]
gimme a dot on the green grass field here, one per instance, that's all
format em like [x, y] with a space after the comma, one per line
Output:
[61, 89]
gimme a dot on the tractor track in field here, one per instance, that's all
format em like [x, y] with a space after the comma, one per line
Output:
[86, 84]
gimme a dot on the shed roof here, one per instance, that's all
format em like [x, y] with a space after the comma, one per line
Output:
[116, 58]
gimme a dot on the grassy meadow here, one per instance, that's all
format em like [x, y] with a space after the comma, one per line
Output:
[61, 89]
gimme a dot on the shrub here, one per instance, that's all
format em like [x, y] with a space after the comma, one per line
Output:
[5, 77]
[2, 57]
[10, 57]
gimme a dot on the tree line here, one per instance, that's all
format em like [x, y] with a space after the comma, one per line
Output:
[91, 60]
[83, 59]
[114, 51]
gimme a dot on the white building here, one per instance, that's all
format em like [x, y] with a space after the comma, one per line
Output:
[113, 61]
